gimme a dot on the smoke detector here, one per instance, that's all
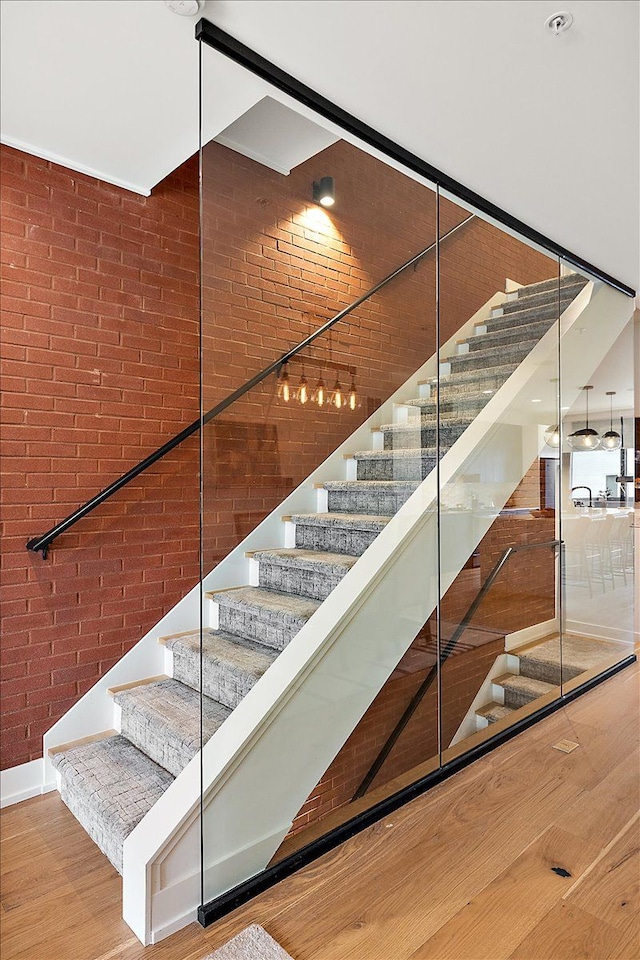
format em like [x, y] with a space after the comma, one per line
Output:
[557, 23]
[185, 8]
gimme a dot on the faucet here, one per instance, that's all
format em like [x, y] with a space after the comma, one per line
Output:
[584, 488]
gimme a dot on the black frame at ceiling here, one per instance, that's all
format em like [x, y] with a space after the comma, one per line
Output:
[224, 43]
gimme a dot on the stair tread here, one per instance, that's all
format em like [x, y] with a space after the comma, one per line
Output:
[524, 684]
[109, 785]
[423, 424]
[370, 485]
[494, 711]
[569, 280]
[306, 559]
[284, 605]
[578, 654]
[412, 453]
[163, 719]
[465, 399]
[230, 664]
[358, 521]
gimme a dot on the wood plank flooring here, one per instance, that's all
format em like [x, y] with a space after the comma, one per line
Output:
[528, 854]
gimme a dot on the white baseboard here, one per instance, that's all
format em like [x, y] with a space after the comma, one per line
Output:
[23, 782]
[624, 635]
[529, 634]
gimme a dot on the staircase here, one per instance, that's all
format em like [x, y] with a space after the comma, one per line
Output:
[368, 543]
[538, 669]
[110, 783]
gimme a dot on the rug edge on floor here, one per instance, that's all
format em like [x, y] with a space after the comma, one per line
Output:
[252, 943]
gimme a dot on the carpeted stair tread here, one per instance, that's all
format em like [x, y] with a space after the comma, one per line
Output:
[529, 332]
[578, 654]
[410, 453]
[519, 690]
[163, 720]
[375, 497]
[414, 426]
[494, 711]
[544, 286]
[109, 785]
[305, 573]
[280, 604]
[307, 559]
[230, 664]
[264, 616]
[465, 401]
[353, 521]
[399, 485]
[475, 379]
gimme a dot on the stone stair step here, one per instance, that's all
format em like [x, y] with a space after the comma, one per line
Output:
[519, 690]
[494, 711]
[267, 617]
[163, 720]
[109, 785]
[307, 573]
[230, 664]
[349, 533]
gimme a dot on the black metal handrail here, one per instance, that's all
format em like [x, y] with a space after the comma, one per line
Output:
[451, 644]
[43, 542]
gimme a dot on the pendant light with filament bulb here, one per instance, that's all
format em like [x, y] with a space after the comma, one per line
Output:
[303, 389]
[284, 390]
[353, 396]
[320, 393]
[611, 440]
[586, 439]
[337, 397]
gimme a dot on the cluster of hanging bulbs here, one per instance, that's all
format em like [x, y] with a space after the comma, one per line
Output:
[587, 438]
[337, 397]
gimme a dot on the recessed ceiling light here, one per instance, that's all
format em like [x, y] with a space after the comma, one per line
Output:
[184, 8]
[537, 400]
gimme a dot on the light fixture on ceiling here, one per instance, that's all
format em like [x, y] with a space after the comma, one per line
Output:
[557, 23]
[324, 192]
[587, 438]
[184, 8]
[611, 440]
[353, 396]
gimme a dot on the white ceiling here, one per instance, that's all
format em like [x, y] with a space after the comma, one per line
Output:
[547, 128]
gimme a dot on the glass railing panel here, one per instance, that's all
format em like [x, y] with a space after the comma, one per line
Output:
[497, 394]
[597, 377]
[299, 478]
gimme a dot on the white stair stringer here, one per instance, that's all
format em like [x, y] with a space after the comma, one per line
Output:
[291, 724]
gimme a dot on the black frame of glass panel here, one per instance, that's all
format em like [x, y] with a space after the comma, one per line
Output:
[229, 46]
[224, 43]
[208, 913]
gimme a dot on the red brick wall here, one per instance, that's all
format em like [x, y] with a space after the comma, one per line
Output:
[100, 365]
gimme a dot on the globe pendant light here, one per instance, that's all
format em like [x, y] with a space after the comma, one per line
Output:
[552, 436]
[587, 438]
[611, 440]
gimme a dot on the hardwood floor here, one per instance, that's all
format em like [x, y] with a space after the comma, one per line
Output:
[528, 854]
